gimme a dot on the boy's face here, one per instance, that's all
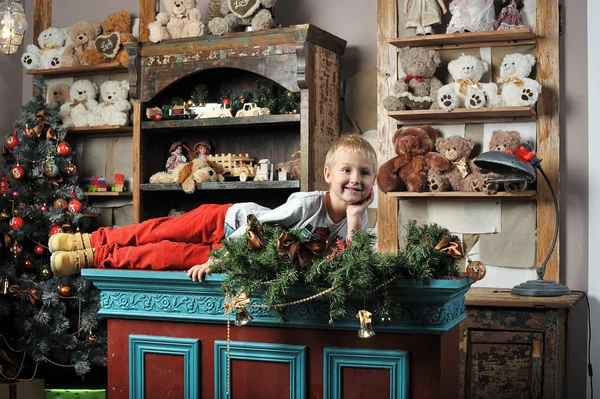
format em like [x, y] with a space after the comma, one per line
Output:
[351, 177]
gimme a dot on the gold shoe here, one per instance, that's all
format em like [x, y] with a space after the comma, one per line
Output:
[69, 242]
[66, 263]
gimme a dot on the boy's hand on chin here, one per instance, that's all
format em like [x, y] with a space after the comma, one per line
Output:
[358, 208]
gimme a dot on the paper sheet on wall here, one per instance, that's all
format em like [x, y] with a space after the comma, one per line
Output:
[360, 99]
[508, 249]
[466, 217]
[505, 277]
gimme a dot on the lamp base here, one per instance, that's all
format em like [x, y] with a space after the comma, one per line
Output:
[540, 288]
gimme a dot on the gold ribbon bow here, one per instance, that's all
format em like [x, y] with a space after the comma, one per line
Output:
[76, 103]
[238, 301]
[297, 250]
[365, 317]
[255, 233]
[44, 126]
[414, 156]
[463, 167]
[31, 293]
[51, 46]
[512, 79]
[450, 246]
[465, 84]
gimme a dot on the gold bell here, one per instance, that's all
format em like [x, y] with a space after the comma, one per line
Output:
[4, 287]
[242, 317]
[366, 328]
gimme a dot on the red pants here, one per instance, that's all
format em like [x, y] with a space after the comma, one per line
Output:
[162, 243]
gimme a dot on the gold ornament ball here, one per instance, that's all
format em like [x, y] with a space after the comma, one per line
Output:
[4, 215]
[64, 290]
[475, 270]
[45, 274]
[60, 203]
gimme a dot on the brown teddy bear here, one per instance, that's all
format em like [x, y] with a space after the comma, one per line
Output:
[409, 169]
[463, 174]
[507, 140]
[237, 15]
[418, 88]
[83, 34]
[59, 94]
[190, 173]
[117, 29]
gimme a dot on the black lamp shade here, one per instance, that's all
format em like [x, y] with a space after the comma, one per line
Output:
[506, 164]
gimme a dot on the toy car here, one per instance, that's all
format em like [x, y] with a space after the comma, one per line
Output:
[251, 109]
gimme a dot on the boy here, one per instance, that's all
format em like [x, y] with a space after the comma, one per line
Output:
[184, 242]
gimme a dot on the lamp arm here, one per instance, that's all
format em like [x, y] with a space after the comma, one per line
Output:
[542, 269]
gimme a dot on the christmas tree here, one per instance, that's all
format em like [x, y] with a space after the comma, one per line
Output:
[47, 322]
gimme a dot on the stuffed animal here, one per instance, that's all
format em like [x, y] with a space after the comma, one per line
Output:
[516, 89]
[77, 111]
[466, 91]
[188, 174]
[110, 46]
[471, 16]
[83, 34]
[114, 110]
[418, 88]
[236, 15]
[510, 16]
[182, 19]
[507, 140]
[58, 94]
[463, 174]
[52, 43]
[408, 170]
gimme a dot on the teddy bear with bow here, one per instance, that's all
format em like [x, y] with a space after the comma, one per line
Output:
[237, 14]
[77, 111]
[182, 19]
[508, 141]
[516, 89]
[188, 174]
[418, 88]
[409, 169]
[467, 91]
[114, 110]
[83, 35]
[52, 43]
[110, 46]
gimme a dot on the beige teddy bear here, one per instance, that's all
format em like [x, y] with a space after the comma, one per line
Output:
[237, 14]
[190, 173]
[59, 94]
[83, 35]
[182, 19]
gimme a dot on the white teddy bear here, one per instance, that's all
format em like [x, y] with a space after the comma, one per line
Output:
[466, 91]
[516, 89]
[237, 14]
[182, 19]
[115, 108]
[53, 42]
[77, 111]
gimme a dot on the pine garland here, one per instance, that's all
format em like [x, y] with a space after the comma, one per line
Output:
[354, 269]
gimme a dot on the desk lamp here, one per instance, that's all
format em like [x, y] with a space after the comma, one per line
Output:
[519, 167]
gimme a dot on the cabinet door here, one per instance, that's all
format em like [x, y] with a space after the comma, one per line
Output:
[504, 364]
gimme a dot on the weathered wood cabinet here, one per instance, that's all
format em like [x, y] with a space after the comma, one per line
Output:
[514, 347]
[301, 58]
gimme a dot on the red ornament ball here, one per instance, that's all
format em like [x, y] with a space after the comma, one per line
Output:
[15, 194]
[60, 203]
[28, 264]
[16, 248]
[226, 102]
[74, 206]
[16, 222]
[39, 250]
[64, 290]
[158, 117]
[17, 172]
[11, 142]
[71, 169]
[63, 149]
[55, 229]
[44, 208]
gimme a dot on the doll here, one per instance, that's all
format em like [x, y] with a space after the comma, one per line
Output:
[177, 157]
[423, 14]
[471, 16]
[202, 150]
[510, 17]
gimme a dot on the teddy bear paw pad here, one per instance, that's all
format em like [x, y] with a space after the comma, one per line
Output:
[27, 59]
[526, 95]
[476, 101]
[447, 100]
[55, 61]
[433, 185]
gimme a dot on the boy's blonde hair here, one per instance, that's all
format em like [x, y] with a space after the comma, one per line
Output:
[351, 143]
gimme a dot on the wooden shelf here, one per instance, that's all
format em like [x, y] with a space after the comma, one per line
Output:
[463, 195]
[100, 130]
[80, 70]
[222, 122]
[464, 115]
[109, 193]
[492, 38]
[228, 185]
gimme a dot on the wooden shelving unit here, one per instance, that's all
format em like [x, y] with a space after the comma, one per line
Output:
[222, 122]
[491, 38]
[100, 130]
[464, 115]
[233, 185]
[463, 195]
[79, 70]
[109, 194]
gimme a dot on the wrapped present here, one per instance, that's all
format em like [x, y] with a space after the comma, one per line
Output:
[75, 393]
[30, 389]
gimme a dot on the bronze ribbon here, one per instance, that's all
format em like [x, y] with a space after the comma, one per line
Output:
[44, 126]
[465, 84]
[365, 317]
[451, 247]
[31, 293]
[513, 79]
[238, 301]
[415, 157]
[304, 252]
[463, 167]
[76, 103]
[255, 233]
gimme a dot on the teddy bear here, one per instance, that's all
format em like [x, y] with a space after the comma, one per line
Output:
[116, 32]
[58, 94]
[237, 14]
[182, 19]
[53, 42]
[418, 88]
[466, 91]
[507, 140]
[408, 170]
[76, 112]
[190, 173]
[516, 89]
[463, 174]
[83, 35]
[114, 110]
